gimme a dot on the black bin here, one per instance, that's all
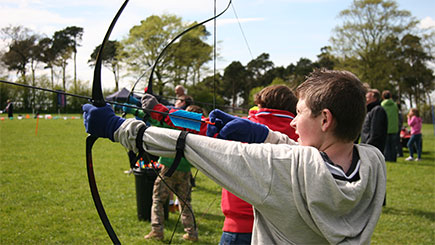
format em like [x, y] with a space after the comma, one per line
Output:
[144, 180]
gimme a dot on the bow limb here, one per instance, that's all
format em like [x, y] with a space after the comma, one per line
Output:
[98, 100]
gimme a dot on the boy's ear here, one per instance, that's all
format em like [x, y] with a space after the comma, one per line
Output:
[327, 120]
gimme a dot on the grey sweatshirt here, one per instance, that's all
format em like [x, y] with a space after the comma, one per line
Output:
[295, 197]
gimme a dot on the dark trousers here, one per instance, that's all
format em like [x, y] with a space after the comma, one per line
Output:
[390, 152]
[399, 145]
[231, 238]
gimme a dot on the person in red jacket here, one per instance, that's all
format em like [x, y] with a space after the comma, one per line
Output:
[276, 109]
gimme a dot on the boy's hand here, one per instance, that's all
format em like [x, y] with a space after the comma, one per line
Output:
[219, 118]
[101, 121]
[235, 128]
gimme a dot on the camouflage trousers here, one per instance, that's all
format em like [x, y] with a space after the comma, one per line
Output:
[180, 182]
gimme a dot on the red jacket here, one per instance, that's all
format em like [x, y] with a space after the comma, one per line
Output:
[239, 217]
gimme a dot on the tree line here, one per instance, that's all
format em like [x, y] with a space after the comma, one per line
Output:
[376, 40]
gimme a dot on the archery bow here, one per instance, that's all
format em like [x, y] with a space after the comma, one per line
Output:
[98, 100]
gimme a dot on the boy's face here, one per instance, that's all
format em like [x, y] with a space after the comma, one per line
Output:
[307, 127]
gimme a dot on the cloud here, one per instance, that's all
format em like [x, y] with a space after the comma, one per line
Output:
[427, 22]
[38, 20]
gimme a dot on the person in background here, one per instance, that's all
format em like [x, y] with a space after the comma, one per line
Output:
[399, 147]
[323, 190]
[374, 130]
[179, 91]
[276, 109]
[180, 181]
[183, 102]
[10, 109]
[375, 126]
[415, 122]
[392, 111]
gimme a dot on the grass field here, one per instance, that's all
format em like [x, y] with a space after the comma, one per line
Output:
[45, 197]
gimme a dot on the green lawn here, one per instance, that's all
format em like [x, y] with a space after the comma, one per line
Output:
[45, 197]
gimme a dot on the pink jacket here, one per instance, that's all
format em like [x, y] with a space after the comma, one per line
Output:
[415, 123]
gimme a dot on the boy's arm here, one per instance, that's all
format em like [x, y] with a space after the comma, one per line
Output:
[275, 137]
[220, 160]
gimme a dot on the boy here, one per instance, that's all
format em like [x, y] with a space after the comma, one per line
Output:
[179, 181]
[325, 190]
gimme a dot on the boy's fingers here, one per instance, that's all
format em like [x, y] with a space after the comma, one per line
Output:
[231, 127]
[218, 114]
[87, 107]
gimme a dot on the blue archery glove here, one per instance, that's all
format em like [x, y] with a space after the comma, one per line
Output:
[235, 128]
[219, 118]
[101, 121]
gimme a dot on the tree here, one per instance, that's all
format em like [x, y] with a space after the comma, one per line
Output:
[20, 42]
[189, 56]
[234, 82]
[326, 59]
[75, 34]
[147, 40]
[18, 56]
[366, 26]
[111, 57]
[414, 78]
[65, 44]
[257, 68]
[21, 53]
[303, 67]
[203, 93]
[48, 56]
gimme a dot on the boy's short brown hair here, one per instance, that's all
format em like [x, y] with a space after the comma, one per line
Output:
[195, 108]
[278, 97]
[342, 93]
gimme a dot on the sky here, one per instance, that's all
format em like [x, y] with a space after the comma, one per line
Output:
[285, 29]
